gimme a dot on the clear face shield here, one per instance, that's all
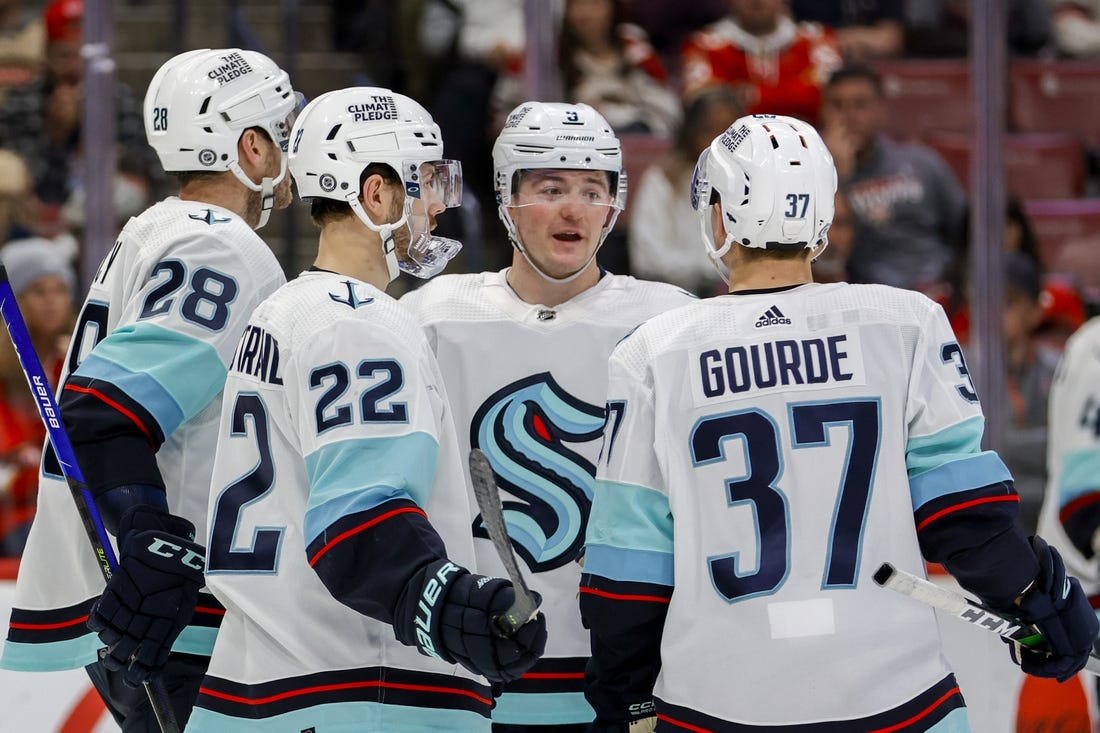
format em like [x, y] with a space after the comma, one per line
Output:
[554, 187]
[430, 188]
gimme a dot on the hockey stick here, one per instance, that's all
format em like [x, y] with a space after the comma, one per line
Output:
[59, 439]
[959, 606]
[524, 608]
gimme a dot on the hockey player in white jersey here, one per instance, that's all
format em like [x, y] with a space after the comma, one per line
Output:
[1070, 516]
[339, 522]
[524, 356]
[142, 387]
[772, 447]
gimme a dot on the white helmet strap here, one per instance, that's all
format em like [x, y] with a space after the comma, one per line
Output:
[266, 188]
[513, 235]
[385, 232]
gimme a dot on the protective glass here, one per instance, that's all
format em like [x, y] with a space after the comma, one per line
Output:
[280, 129]
[437, 182]
[700, 185]
[543, 188]
[430, 188]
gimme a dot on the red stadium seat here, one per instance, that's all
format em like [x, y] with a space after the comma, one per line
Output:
[1037, 165]
[925, 95]
[639, 152]
[1069, 240]
[1056, 96]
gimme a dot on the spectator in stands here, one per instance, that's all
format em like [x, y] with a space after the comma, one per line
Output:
[41, 119]
[668, 23]
[17, 202]
[663, 239]
[909, 210]
[1029, 370]
[22, 43]
[43, 282]
[865, 30]
[831, 266]
[939, 28]
[776, 65]
[606, 64]
[1076, 27]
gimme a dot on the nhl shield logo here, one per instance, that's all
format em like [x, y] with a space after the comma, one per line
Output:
[327, 183]
[207, 157]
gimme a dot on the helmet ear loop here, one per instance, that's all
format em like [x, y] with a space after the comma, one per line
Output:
[715, 253]
[266, 187]
[385, 231]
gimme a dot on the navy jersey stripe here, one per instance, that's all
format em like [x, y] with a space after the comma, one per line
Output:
[367, 559]
[920, 714]
[560, 674]
[55, 624]
[369, 684]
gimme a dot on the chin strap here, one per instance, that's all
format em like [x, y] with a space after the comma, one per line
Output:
[513, 236]
[385, 232]
[266, 188]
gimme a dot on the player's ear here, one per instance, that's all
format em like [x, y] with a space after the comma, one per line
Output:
[374, 196]
[718, 224]
[251, 150]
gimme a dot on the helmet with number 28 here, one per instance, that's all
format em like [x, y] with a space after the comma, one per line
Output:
[200, 102]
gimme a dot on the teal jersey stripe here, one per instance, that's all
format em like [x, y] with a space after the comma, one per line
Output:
[357, 475]
[636, 566]
[196, 640]
[552, 708]
[974, 472]
[171, 374]
[630, 517]
[950, 444]
[348, 717]
[954, 722]
[75, 653]
[53, 656]
[1080, 475]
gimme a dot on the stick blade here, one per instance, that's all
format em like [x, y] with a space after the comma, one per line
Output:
[524, 608]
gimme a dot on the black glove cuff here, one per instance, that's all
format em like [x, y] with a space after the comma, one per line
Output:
[420, 608]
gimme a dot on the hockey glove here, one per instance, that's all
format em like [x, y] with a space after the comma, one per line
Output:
[152, 594]
[1057, 606]
[447, 613]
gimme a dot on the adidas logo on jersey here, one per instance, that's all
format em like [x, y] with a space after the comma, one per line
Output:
[772, 317]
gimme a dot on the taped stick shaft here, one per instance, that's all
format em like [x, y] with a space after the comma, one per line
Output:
[959, 606]
[492, 514]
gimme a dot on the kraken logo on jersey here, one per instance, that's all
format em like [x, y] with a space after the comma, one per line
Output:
[523, 429]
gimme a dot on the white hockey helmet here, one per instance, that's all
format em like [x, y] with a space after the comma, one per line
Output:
[341, 132]
[776, 183]
[200, 102]
[559, 136]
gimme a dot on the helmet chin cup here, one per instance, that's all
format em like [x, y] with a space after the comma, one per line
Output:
[429, 255]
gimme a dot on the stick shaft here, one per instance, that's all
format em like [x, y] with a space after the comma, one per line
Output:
[492, 514]
[90, 518]
[972, 612]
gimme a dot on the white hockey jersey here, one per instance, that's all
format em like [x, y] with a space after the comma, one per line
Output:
[156, 332]
[335, 413]
[1072, 499]
[765, 452]
[528, 384]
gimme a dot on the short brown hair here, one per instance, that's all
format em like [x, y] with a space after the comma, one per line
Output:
[323, 210]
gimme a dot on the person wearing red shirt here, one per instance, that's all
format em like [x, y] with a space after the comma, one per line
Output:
[778, 66]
